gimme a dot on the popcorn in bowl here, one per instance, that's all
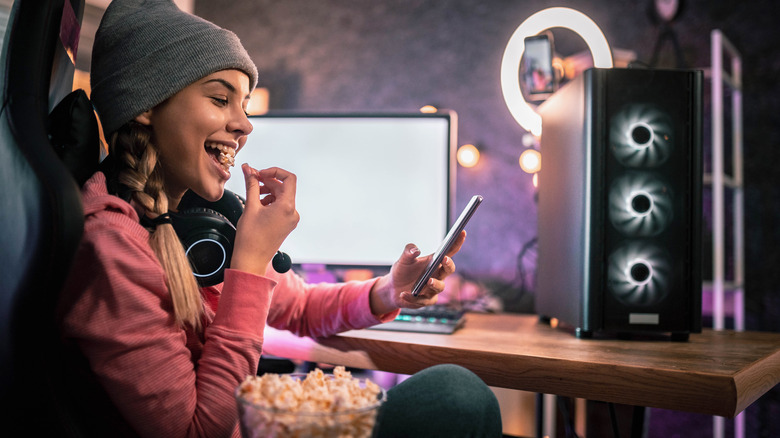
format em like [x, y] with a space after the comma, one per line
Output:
[308, 405]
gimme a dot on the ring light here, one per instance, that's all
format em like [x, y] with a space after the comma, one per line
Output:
[566, 18]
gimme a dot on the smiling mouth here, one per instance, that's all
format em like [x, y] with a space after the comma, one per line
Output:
[224, 155]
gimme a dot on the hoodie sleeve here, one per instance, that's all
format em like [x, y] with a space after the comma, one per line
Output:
[324, 309]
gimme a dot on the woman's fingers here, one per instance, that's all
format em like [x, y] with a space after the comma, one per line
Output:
[252, 187]
[269, 216]
[272, 184]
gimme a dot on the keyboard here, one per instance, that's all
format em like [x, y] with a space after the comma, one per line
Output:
[431, 319]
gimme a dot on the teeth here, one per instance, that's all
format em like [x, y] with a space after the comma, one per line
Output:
[227, 150]
[226, 154]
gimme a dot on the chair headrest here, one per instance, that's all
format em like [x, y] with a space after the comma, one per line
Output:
[74, 135]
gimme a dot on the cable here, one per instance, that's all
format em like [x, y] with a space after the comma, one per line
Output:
[568, 423]
[613, 417]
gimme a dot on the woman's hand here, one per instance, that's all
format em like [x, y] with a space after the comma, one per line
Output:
[395, 289]
[265, 222]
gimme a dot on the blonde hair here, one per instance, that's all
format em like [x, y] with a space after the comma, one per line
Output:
[137, 170]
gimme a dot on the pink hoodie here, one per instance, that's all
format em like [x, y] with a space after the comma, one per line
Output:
[166, 381]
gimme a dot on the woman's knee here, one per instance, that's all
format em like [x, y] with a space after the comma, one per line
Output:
[443, 398]
[460, 387]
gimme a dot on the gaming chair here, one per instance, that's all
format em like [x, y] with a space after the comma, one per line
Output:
[41, 216]
[49, 145]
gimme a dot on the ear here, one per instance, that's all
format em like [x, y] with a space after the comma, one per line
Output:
[145, 118]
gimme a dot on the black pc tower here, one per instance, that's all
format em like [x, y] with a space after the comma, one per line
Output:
[619, 245]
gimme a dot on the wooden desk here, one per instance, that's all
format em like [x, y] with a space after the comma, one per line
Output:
[716, 372]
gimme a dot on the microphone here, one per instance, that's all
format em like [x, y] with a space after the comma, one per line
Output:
[281, 262]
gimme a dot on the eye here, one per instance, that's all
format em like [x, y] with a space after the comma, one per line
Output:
[220, 101]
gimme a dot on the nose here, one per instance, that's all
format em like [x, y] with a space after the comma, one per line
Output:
[239, 123]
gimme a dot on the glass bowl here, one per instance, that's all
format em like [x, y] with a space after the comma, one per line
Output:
[258, 421]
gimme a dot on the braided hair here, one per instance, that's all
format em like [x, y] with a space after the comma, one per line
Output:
[135, 174]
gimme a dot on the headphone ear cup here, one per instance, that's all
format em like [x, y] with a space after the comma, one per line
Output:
[207, 237]
[207, 230]
[230, 206]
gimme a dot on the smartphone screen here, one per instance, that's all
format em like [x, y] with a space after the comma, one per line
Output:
[446, 245]
[537, 70]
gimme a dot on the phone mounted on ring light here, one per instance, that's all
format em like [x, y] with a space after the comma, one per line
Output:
[208, 232]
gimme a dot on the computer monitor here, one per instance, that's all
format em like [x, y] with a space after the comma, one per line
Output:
[367, 184]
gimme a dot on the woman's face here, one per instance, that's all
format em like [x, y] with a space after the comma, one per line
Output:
[198, 132]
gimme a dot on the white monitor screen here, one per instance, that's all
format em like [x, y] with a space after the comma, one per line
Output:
[367, 184]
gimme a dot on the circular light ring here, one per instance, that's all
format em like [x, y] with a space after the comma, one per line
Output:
[641, 136]
[639, 274]
[220, 262]
[640, 204]
[522, 111]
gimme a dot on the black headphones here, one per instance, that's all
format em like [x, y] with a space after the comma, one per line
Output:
[207, 230]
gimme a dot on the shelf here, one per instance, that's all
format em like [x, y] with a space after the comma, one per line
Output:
[728, 181]
[728, 286]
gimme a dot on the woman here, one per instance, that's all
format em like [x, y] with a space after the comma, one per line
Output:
[152, 353]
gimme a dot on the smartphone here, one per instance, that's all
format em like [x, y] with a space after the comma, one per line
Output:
[446, 245]
[537, 75]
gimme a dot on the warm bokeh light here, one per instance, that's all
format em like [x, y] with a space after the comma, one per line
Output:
[558, 66]
[258, 102]
[529, 140]
[358, 274]
[81, 80]
[428, 109]
[531, 161]
[468, 155]
[545, 19]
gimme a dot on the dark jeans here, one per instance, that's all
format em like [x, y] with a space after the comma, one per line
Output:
[440, 401]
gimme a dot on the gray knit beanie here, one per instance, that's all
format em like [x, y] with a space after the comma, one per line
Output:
[146, 51]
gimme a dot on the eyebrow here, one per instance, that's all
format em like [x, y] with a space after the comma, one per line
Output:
[226, 84]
